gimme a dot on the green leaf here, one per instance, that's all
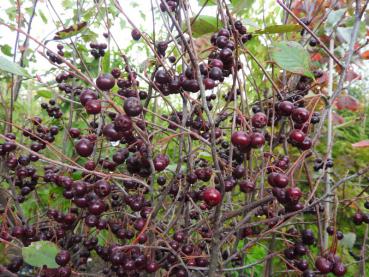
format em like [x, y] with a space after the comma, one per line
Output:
[239, 6]
[209, 3]
[41, 253]
[275, 29]
[45, 94]
[206, 156]
[204, 24]
[11, 67]
[292, 57]
[7, 50]
[334, 17]
[77, 175]
[348, 240]
[105, 62]
[122, 23]
[89, 13]
[43, 17]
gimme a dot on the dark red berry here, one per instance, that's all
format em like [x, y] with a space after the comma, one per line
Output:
[285, 108]
[84, 147]
[240, 139]
[74, 132]
[62, 258]
[300, 115]
[212, 196]
[247, 186]
[161, 162]
[116, 73]
[358, 218]
[105, 81]
[151, 267]
[257, 140]
[209, 83]
[259, 120]
[136, 34]
[297, 136]
[102, 188]
[294, 194]
[93, 107]
[339, 269]
[132, 106]
[323, 265]
[87, 95]
[122, 123]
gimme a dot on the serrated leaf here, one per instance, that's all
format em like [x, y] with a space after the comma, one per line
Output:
[204, 24]
[45, 94]
[70, 31]
[40, 253]
[348, 240]
[276, 29]
[291, 56]
[11, 67]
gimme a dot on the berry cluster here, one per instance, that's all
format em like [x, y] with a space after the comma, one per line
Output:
[320, 164]
[54, 58]
[168, 5]
[98, 49]
[52, 109]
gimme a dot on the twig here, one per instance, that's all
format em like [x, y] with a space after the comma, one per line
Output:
[311, 33]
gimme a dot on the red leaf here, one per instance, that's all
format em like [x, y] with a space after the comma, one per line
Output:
[361, 144]
[352, 75]
[337, 119]
[347, 102]
[365, 55]
[316, 57]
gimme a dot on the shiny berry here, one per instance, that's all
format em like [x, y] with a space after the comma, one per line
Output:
[161, 162]
[259, 120]
[105, 81]
[247, 186]
[93, 107]
[84, 147]
[285, 108]
[323, 265]
[297, 136]
[212, 196]
[339, 269]
[294, 194]
[240, 139]
[136, 34]
[62, 258]
[132, 106]
[300, 115]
